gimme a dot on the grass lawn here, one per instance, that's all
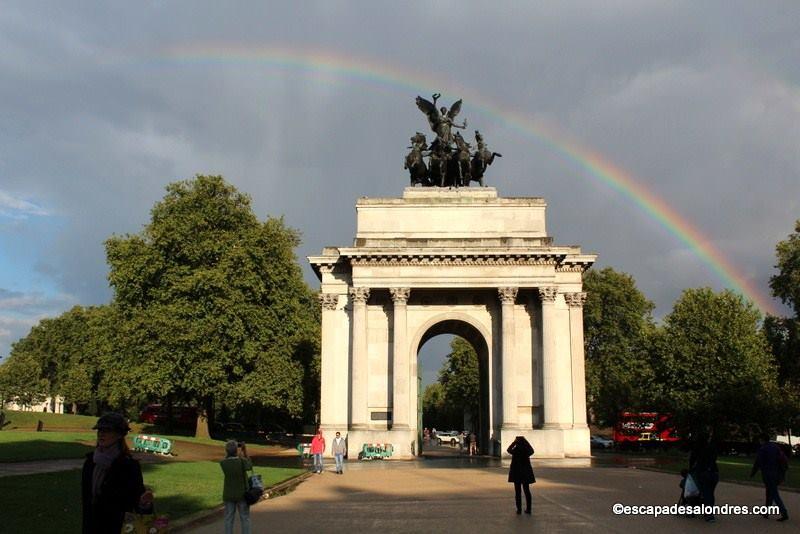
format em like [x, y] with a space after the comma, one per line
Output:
[51, 421]
[50, 502]
[23, 446]
[220, 443]
[28, 446]
[732, 469]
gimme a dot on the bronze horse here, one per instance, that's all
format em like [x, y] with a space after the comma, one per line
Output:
[459, 166]
[415, 162]
[480, 160]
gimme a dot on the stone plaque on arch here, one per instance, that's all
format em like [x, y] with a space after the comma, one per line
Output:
[467, 262]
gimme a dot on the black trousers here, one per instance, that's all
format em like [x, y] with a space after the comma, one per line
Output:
[771, 485]
[518, 486]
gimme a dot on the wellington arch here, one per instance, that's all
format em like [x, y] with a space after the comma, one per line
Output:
[463, 261]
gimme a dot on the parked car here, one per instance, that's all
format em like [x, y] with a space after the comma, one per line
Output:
[156, 414]
[273, 433]
[451, 437]
[599, 442]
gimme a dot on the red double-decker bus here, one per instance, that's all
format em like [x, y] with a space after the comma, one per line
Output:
[644, 429]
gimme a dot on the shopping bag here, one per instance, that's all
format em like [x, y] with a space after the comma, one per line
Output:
[256, 482]
[690, 489]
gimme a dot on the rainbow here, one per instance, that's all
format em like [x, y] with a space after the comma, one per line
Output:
[327, 65]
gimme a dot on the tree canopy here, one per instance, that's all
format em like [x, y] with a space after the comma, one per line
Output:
[617, 323]
[783, 333]
[460, 377]
[786, 284]
[714, 365]
[214, 301]
[209, 306]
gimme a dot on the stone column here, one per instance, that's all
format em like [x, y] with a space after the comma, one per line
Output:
[575, 301]
[507, 296]
[360, 377]
[550, 375]
[401, 370]
[332, 413]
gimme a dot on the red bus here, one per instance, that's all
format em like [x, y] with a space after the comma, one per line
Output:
[644, 428]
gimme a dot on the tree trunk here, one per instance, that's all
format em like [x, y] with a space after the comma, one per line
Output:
[74, 408]
[170, 415]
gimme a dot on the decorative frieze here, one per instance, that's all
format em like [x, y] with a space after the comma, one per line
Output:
[454, 260]
[572, 267]
[328, 301]
[507, 294]
[400, 295]
[548, 293]
[359, 295]
[576, 300]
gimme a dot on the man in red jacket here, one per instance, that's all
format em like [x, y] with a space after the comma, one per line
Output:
[317, 448]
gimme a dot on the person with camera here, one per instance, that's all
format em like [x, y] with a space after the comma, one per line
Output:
[521, 472]
[111, 480]
[234, 467]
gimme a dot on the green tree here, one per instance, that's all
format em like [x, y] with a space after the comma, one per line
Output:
[434, 406]
[21, 379]
[783, 333]
[618, 325]
[214, 302]
[460, 378]
[70, 351]
[714, 364]
[81, 337]
[786, 284]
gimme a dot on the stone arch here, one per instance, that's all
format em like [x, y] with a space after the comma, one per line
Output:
[451, 316]
[478, 335]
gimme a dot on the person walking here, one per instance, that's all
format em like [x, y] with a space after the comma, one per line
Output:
[111, 480]
[773, 464]
[317, 448]
[521, 472]
[704, 470]
[473, 444]
[234, 467]
[339, 448]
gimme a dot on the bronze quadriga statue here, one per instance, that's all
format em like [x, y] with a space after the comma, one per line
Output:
[450, 160]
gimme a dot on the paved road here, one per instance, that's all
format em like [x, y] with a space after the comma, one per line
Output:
[454, 496]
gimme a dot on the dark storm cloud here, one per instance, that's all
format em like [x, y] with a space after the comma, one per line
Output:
[698, 101]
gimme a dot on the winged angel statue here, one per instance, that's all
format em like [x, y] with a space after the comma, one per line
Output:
[449, 163]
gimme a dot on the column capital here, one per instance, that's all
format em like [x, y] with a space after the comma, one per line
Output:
[575, 300]
[548, 293]
[326, 268]
[507, 294]
[328, 301]
[400, 295]
[359, 294]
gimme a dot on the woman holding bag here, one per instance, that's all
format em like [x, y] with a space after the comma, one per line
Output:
[234, 467]
[111, 480]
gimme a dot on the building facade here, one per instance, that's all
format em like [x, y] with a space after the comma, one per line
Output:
[459, 261]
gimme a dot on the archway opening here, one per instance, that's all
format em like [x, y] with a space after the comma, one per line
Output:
[452, 390]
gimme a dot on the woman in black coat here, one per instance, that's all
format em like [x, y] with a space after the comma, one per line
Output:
[111, 480]
[521, 472]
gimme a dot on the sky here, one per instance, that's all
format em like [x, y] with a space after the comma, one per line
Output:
[664, 136]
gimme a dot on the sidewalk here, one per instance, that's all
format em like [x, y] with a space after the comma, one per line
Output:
[432, 496]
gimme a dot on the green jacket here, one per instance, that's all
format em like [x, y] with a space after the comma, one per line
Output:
[235, 481]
